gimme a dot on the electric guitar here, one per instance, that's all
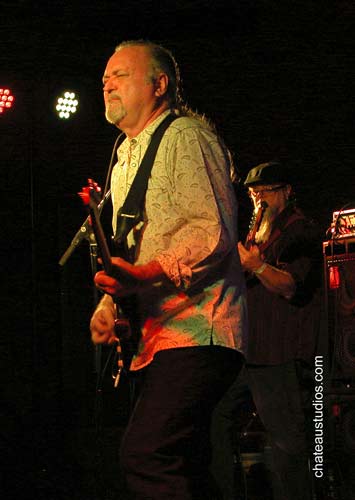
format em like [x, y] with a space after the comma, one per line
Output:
[91, 197]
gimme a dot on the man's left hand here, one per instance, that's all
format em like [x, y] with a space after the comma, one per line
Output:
[250, 259]
[127, 278]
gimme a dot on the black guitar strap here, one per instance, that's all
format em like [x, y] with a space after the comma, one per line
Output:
[131, 211]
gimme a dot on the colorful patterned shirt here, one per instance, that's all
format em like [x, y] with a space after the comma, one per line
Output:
[189, 227]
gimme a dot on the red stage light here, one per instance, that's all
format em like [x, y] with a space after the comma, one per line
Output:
[6, 99]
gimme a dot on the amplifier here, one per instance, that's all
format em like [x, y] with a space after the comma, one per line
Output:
[339, 284]
[343, 223]
[339, 249]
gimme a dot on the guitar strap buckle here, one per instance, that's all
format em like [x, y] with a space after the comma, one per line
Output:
[125, 223]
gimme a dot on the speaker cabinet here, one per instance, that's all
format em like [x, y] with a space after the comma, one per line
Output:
[341, 428]
[339, 282]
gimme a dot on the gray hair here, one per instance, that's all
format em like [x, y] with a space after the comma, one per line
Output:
[162, 61]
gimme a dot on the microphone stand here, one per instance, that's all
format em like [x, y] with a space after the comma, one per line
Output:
[85, 232]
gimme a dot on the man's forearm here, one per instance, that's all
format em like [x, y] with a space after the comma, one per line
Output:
[151, 273]
[276, 280]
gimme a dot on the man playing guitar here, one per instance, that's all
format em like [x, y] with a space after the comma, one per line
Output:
[184, 269]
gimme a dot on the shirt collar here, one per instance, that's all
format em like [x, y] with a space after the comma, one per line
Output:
[144, 137]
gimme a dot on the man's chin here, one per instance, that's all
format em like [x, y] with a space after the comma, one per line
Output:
[114, 118]
[111, 119]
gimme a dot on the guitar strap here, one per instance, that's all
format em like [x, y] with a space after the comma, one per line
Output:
[131, 211]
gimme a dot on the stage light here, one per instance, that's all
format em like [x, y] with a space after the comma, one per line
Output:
[6, 100]
[66, 105]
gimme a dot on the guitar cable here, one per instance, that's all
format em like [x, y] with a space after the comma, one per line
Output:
[118, 142]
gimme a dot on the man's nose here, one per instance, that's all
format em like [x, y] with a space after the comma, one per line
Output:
[108, 85]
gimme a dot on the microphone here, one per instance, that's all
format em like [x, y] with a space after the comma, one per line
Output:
[84, 232]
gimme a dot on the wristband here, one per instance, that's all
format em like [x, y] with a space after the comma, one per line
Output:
[260, 269]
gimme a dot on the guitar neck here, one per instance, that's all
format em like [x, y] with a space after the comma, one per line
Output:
[250, 240]
[100, 238]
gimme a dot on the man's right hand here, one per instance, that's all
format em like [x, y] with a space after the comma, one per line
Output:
[102, 325]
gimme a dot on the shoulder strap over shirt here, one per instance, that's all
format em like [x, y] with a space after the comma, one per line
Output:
[131, 211]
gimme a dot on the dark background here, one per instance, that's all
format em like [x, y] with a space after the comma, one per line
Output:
[277, 78]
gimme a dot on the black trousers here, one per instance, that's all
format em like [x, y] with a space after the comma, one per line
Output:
[165, 452]
[282, 396]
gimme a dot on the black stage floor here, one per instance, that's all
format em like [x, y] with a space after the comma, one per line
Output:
[87, 468]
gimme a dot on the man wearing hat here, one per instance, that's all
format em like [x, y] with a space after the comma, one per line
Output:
[281, 258]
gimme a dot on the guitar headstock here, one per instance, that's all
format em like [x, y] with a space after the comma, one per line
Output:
[91, 196]
[91, 193]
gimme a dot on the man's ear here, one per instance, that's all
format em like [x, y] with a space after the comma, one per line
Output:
[161, 85]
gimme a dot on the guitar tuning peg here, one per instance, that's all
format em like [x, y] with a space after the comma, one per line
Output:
[94, 185]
